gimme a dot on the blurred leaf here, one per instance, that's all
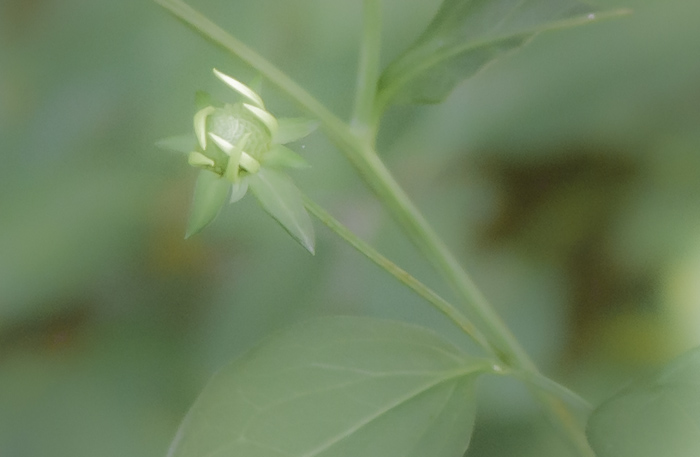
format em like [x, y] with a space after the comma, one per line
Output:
[293, 128]
[654, 417]
[464, 37]
[281, 199]
[210, 194]
[341, 387]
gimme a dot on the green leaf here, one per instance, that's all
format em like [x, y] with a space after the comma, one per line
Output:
[282, 200]
[292, 129]
[210, 194]
[657, 416]
[282, 157]
[338, 387]
[466, 35]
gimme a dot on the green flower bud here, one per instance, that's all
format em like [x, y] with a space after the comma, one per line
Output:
[239, 138]
[234, 122]
[240, 145]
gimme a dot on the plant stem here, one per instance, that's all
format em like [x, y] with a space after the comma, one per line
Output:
[368, 68]
[553, 398]
[335, 127]
[359, 149]
[397, 272]
[430, 244]
[477, 309]
[361, 153]
[546, 384]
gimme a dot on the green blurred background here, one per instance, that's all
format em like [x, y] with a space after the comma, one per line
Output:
[565, 176]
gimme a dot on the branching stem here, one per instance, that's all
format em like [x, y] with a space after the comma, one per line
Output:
[399, 273]
[357, 143]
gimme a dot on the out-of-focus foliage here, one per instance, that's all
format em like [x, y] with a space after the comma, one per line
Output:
[464, 37]
[654, 416]
[565, 176]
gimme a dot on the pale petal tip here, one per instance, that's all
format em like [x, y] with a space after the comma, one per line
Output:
[197, 159]
[221, 143]
[265, 117]
[240, 88]
[200, 125]
[250, 164]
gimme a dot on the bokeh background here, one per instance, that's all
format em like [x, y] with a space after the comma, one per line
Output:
[566, 177]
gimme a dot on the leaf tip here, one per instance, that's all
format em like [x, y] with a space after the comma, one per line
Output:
[193, 229]
[309, 245]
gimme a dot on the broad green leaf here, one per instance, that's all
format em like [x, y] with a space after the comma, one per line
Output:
[210, 194]
[281, 199]
[658, 416]
[292, 129]
[282, 157]
[466, 35]
[338, 387]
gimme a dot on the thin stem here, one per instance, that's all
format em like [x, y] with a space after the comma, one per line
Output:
[566, 394]
[368, 69]
[334, 126]
[564, 422]
[430, 244]
[507, 348]
[360, 152]
[400, 274]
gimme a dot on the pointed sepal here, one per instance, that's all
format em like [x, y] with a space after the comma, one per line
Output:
[210, 194]
[282, 157]
[197, 159]
[292, 129]
[179, 143]
[280, 198]
[238, 190]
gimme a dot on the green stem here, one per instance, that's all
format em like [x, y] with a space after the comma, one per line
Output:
[333, 125]
[359, 149]
[566, 423]
[368, 69]
[552, 396]
[361, 153]
[424, 237]
[476, 308]
[558, 390]
[397, 272]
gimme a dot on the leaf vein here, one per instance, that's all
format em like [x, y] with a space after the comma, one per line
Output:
[377, 414]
